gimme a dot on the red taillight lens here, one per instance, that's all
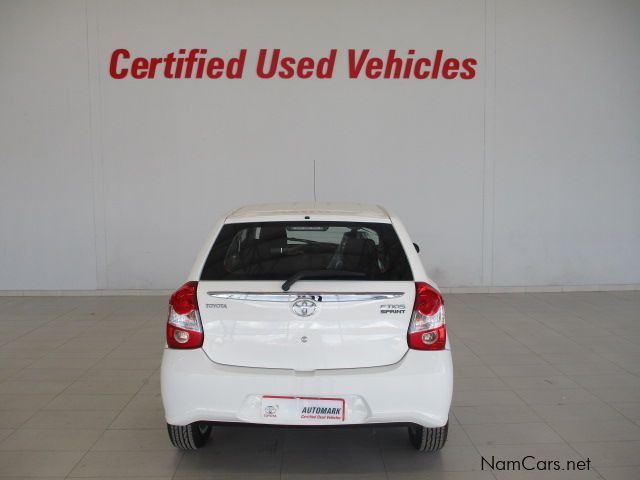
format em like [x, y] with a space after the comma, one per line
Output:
[184, 300]
[184, 329]
[427, 330]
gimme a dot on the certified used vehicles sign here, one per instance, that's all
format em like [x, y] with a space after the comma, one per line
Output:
[198, 63]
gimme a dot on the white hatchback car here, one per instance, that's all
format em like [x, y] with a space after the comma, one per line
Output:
[307, 314]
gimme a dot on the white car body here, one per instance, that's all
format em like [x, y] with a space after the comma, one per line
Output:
[262, 363]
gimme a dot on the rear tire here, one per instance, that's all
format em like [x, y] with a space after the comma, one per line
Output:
[428, 439]
[189, 437]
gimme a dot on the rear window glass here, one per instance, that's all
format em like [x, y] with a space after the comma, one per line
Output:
[278, 250]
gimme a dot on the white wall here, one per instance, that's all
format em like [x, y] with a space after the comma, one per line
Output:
[526, 175]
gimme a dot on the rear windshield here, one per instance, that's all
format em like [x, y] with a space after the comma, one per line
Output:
[278, 250]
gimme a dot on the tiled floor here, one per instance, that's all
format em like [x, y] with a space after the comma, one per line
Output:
[555, 376]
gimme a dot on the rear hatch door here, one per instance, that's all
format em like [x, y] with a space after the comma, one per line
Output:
[316, 325]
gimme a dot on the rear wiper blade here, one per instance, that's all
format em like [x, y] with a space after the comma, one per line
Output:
[318, 274]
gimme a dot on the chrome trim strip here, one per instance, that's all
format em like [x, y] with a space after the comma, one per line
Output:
[319, 297]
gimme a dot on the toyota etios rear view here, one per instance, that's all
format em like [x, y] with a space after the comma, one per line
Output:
[307, 315]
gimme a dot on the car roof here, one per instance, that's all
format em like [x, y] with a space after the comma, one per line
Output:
[271, 212]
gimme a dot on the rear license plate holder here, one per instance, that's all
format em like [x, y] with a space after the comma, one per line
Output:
[303, 410]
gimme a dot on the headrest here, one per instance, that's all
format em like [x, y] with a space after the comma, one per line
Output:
[273, 232]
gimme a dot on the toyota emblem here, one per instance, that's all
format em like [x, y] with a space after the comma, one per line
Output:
[304, 307]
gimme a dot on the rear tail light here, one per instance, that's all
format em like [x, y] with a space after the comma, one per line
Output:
[184, 329]
[427, 330]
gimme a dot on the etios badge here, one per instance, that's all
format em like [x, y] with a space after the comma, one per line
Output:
[304, 307]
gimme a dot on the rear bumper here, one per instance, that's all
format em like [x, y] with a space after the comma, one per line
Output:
[415, 390]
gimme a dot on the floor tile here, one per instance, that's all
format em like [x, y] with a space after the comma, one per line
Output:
[332, 462]
[631, 410]
[493, 359]
[577, 412]
[32, 464]
[467, 398]
[610, 454]
[17, 401]
[29, 387]
[62, 419]
[597, 430]
[75, 402]
[145, 402]
[440, 475]
[210, 463]
[590, 369]
[617, 394]
[619, 473]
[589, 474]
[105, 385]
[556, 396]
[14, 418]
[512, 434]
[133, 440]
[4, 433]
[356, 438]
[134, 464]
[607, 380]
[480, 383]
[525, 370]
[495, 414]
[550, 381]
[131, 418]
[26, 439]
[48, 374]
[408, 461]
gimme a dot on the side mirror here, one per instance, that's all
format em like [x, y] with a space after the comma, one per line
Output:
[417, 247]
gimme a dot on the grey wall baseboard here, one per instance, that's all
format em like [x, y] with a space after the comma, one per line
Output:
[494, 289]
[543, 289]
[83, 293]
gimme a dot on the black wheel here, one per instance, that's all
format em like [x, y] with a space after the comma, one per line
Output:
[428, 439]
[189, 437]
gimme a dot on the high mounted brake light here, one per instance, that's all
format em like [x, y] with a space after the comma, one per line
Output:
[427, 330]
[184, 329]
